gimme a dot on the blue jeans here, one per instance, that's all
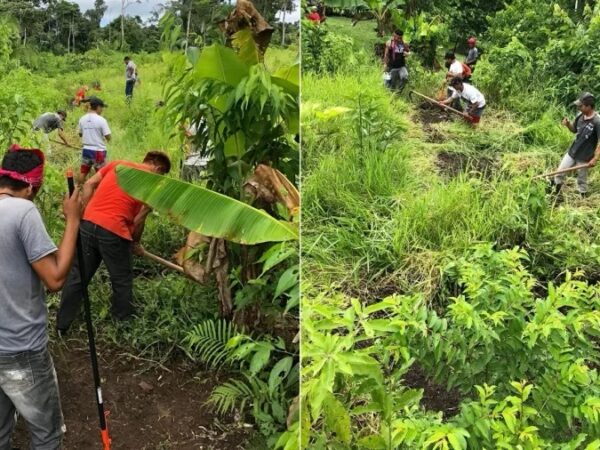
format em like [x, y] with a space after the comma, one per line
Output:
[129, 84]
[29, 386]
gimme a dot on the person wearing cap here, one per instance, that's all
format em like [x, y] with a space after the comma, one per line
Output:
[111, 230]
[48, 122]
[394, 60]
[313, 15]
[131, 75]
[95, 133]
[584, 149]
[473, 54]
[30, 263]
[474, 98]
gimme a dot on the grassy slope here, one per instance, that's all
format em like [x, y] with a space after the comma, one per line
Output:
[168, 304]
[385, 218]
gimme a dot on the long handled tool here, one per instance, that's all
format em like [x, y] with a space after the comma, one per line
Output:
[164, 262]
[66, 145]
[449, 108]
[558, 172]
[90, 330]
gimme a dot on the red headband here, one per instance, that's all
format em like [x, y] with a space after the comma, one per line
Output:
[35, 176]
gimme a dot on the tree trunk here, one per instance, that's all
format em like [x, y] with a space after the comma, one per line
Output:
[189, 20]
[283, 30]
[122, 23]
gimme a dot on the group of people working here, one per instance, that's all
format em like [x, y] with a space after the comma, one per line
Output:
[109, 224]
[584, 152]
[396, 75]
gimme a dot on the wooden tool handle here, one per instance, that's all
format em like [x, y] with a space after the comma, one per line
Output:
[164, 262]
[558, 172]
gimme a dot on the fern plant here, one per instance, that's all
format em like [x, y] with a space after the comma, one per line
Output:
[207, 342]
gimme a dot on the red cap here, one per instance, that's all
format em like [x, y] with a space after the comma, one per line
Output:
[471, 40]
[69, 173]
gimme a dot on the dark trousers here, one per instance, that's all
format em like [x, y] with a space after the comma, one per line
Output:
[99, 245]
[129, 84]
[28, 385]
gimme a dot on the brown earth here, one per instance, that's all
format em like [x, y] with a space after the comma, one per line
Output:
[151, 407]
[435, 396]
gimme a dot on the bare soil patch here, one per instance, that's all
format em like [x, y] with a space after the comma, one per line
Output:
[151, 408]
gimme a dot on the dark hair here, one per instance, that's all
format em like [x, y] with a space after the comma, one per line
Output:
[158, 159]
[127, 58]
[21, 162]
[399, 32]
[62, 113]
[450, 55]
[456, 81]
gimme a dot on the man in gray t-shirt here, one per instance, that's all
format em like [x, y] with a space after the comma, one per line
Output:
[48, 122]
[29, 260]
[584, 150]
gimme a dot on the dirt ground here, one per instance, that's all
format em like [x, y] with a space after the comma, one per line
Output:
[151, 408]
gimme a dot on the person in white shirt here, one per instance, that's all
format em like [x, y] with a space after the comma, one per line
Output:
[473, 97]
[455, 68]
[95, 133]
[130, 76]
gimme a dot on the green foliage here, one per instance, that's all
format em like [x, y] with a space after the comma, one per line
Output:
[208, 341]
[204, 211]
[324, 51]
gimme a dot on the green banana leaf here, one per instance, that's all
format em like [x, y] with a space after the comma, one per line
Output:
[204, 211]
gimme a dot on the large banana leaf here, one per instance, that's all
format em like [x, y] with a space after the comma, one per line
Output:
[221, 63]
[204, 211]
[288, 79]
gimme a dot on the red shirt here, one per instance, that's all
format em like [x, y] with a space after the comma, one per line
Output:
[314, 16]
[110, 207]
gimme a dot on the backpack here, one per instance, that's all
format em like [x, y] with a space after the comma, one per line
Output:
[467, 72]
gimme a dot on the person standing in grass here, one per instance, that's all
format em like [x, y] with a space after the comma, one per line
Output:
[95, 133]
[394, 60]
[30, 261]
[584, 149]
[473, 54]
[475, 99]
[111, 229]
[48, 122]
[130, 77]
[455, 67]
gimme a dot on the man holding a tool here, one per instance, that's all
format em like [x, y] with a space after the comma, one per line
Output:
[95, 133]
[584, 149]
[48, 122]
[468, 92]
[394, 59]
[30, 261]
[111, 230]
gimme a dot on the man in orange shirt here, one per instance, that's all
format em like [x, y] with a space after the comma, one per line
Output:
[110, 231]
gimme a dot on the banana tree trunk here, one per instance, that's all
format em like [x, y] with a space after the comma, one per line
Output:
[222, 276]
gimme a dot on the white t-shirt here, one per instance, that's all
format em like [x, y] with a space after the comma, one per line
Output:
[456, 69]
[93, 128]
[130, 70]
[471, 94]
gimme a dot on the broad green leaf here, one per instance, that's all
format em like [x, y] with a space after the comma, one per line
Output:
[221, 63]
[235, 145]
[279, 372]
[259, 360]
[202, 210]
[337, 418]
[288, 79]
[193, 55]
[373, 442]
[246, 47]
[288, 279]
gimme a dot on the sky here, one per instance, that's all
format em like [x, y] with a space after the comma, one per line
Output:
[144, 9]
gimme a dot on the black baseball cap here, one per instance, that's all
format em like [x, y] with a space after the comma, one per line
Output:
[449, 55]
[62, 112]
[95, 102]
[587, 98]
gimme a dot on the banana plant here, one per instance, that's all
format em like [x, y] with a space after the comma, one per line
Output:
[204, 211]
[380, 9]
